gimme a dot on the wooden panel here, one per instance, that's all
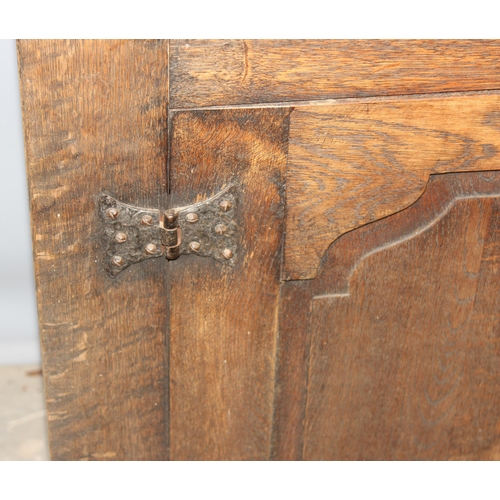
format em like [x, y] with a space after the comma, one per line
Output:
[354, 163]
[224, 319]
[404, 359]
[95, 118]
[228, 72]
[292, 365]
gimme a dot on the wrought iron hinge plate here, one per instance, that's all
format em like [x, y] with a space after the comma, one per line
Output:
[133, 234]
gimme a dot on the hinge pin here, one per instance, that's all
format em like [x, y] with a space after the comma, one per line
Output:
[170, 219]
[171, 238]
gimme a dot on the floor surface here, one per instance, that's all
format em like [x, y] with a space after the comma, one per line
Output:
[23, 433]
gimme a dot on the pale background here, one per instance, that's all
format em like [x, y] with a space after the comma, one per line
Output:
[19, 342]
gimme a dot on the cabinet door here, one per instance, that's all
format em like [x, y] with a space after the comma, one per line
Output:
[355, 317]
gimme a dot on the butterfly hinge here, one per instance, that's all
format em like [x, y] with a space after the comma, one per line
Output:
[133, 234]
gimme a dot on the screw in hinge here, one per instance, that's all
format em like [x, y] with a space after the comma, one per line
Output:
[150, 249]
[121, 237]
[117, 260]
[192, 217]
[220, 228]
[113, 213]
[225, 205]
[227, 253]
[146, 220]
[194, 246]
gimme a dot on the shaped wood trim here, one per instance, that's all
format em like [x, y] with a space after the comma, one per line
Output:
[354, 163]
[341, 262]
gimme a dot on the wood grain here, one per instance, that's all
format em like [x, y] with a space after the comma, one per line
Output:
[96, 119]
[426, 386]
[292, 362]
[223, 323]
[232, 72]
[354, 163]
[95, 116]
[402, 325]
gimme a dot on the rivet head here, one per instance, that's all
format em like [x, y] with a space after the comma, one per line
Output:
[220, 228]
[227, 253]
[121, 237]
[112, 213]
[225, 205]
[194, 246]
[192, 217]
[146, 220]
[150, 248]
[117, 260]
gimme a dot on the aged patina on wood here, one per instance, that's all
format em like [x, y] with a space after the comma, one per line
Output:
[236, 72]
[223, 320]
[353, 163]
[196, 360]
[395, 352]
[95, 119]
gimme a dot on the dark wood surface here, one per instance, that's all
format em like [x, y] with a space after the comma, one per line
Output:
[223, 320]
[389, 353]
[229, 72]
[353, 163]
[402, 328]
[95, 119]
